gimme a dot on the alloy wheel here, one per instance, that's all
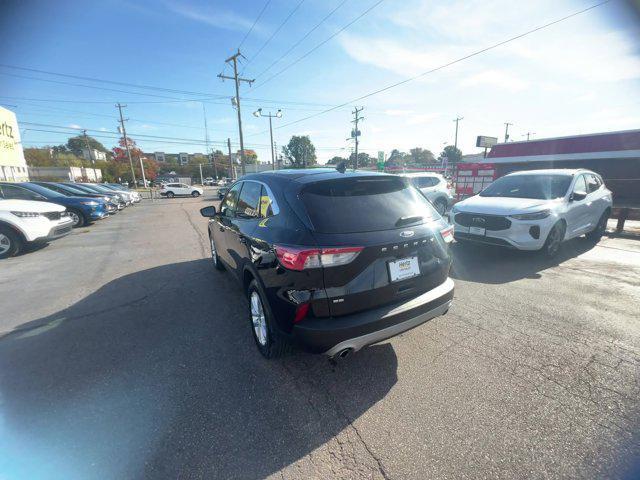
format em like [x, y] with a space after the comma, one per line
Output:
[5, 243]
[75, 218]
[258, 319]
[554, 241]
[214, 254]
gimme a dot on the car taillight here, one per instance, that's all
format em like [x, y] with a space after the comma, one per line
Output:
[296, 258]
[301, 312]
[447, 234]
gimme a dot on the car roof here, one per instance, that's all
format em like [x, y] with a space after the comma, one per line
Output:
[421, 174]
[552, 171]
[307, 175]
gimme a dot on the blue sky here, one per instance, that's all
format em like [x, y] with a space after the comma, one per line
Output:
[579, 76]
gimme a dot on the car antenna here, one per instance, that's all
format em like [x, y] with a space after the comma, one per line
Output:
[342, 166]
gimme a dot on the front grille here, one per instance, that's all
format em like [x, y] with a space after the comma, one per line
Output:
[52, 215]
[61, 230]
[490, 222]
[481, 239]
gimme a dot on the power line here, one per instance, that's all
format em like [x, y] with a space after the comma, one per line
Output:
[320, 44]
[254, 23]
[304, 37]
[443, 66]
[100, 80]
[255, 55]
[60, 82]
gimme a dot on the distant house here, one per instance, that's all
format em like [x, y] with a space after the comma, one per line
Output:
[93, 155]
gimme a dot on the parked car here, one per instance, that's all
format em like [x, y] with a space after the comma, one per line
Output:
[112, 204]
[135, 196]
[23, 222]
[120, 198]
[129, 195]
[171, 190]
[332, 261]
[82, 210]
[535, 210]
[434, 187]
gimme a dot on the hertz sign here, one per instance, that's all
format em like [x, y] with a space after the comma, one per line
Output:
[10, 145]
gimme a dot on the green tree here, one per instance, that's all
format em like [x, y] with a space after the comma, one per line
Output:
[300, 152]
[76, 144]
[453, 154]
[364, 160]
[336, 160]
[421, 156]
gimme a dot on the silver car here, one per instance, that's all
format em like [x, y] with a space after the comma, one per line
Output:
[535, 210]
[434, 187]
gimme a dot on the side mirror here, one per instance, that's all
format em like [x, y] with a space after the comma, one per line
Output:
[208, 212]
[577, 196]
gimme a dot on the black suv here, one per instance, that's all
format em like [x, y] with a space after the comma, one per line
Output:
[331, 261]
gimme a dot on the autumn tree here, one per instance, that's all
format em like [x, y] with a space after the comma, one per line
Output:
[300, 152]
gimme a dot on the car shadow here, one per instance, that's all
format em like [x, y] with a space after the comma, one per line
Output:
[155, 375]
[495, 265]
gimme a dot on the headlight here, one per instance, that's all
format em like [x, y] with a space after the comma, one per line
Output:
[106, 199]
[532, 216]
[91, 203]
[26, 214]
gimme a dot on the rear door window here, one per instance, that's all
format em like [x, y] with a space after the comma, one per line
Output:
[228, 206]
[593, 183]
[425, 182]
[249, 200]
[365, 204]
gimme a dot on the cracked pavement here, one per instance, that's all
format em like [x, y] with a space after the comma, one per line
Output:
[124, 355]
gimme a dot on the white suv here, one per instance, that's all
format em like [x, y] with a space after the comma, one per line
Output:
[434, 187]
[170, 190]
[26, 221]
[535, 210]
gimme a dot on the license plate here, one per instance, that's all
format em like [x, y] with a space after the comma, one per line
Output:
[477, 230]
[404, 268]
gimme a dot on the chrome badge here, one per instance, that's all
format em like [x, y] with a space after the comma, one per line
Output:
[407, 233]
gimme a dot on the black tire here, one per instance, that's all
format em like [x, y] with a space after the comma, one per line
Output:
[10, 242]
[596, 234]
[273, 345]
[195, 194]
[78, 218]
[214, 255]
[554, 240]
[170, 195]
[441, 206]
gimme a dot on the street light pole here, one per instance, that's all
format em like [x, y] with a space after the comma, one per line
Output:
[258, 113]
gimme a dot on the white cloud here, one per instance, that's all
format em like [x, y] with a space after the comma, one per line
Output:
[211, 15]
[497, 78]
[74, 125]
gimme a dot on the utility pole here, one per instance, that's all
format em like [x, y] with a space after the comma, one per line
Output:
[506, 131]
[201, 179]
[528, 134]
[86, 142]
[258, 113]
[356, 133]
[455, 143]
[234, 59]
[126, 142]
[231, 168]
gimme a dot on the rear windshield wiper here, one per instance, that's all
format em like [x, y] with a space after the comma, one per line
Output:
[407, 220]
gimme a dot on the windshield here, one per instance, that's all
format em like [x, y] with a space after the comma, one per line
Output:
[365, 204]
[540, 187]
[47, 192]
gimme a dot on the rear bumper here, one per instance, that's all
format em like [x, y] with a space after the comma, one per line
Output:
[332, 335]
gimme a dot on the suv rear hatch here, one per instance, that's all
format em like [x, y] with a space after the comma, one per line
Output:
[398, 241]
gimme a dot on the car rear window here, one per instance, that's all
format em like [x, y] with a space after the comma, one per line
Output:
[365, 204]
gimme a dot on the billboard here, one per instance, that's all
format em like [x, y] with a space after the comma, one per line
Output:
[486, 142]
[10, 146]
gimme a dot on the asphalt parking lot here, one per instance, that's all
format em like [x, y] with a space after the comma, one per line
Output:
[124, 354]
